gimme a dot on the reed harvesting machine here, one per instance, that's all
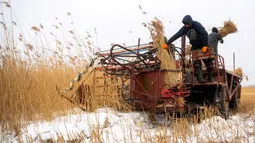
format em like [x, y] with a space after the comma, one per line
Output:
[143, 84]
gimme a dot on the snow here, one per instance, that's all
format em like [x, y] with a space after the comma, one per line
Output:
[219, 129]
[113, 126]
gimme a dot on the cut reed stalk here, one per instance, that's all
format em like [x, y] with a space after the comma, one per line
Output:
[167, 60]
[229, 28]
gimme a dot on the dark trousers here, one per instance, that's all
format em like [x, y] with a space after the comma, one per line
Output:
[198, 69]
[197, 64]
[208, 64]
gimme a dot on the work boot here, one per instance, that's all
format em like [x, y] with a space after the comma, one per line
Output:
[199, 76]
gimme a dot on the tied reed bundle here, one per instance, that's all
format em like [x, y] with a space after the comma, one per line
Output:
[239, 72]
[167, 61]
[229, 28]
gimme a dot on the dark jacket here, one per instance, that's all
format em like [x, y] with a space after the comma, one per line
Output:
[196, 33]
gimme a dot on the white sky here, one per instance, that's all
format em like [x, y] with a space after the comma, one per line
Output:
[113, 20]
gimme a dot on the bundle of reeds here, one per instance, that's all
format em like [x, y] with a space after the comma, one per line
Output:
[188, 49]
[239, 72]
[229, 28]
[167, 60]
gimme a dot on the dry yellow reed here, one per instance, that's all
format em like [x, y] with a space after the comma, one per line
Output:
[239, 72]
[99, 90]
[229, 28]
[188, 49]
[29, 93]
[167, 61]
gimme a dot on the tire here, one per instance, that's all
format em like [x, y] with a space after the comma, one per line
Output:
[223, 104]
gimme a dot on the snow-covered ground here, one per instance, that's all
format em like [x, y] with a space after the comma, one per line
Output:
[111, 126]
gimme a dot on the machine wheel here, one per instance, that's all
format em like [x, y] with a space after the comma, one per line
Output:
[223, 104]
[235, 101]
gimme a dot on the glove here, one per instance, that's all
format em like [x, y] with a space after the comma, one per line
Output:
[221, 41]
[204, 49]
[164, 46]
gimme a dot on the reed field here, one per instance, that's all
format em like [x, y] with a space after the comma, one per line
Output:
[32, 79]
[248, 99]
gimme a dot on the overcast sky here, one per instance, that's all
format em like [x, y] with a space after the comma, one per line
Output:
[114, 19]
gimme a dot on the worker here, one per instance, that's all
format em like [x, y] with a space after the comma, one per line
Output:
[213, 39]
[198, 39]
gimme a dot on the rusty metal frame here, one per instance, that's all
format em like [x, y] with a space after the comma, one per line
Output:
[146, 61]
[220, 67]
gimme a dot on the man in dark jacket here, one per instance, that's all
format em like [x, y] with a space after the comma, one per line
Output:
[198, 39]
